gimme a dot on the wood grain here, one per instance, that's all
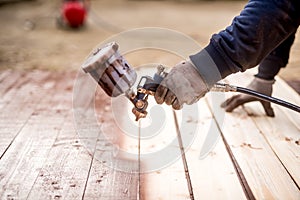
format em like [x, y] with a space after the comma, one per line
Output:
[48, 154]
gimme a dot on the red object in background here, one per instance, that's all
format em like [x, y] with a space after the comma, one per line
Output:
[74, 13]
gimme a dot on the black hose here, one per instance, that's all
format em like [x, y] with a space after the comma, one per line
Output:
[268, 98]
[229, 88]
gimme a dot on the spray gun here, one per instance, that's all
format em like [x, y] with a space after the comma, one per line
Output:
[116, 77]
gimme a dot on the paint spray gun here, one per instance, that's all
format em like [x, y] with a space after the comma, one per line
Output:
[116, 77]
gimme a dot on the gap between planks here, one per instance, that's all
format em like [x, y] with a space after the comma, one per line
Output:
[282, 131]
[30, 147]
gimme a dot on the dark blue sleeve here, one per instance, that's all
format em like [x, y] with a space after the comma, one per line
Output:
[277, 59]
[261, 27]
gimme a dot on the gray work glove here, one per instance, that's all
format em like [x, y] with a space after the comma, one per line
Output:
[260, 85]
[182, 85]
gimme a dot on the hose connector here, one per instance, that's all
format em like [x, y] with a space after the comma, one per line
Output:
[223, 87]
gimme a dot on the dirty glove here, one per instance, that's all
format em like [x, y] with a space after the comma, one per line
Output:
[182, 85]
[260, 85]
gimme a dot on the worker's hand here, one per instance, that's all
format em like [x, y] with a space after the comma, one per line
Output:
[182, 85]
[259, 85]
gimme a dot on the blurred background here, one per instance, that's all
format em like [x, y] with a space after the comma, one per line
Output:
[30, 37]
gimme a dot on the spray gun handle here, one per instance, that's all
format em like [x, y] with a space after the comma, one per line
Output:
[151, 84]
[146, 86]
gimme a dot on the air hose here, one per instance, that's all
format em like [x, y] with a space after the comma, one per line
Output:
[222, 87]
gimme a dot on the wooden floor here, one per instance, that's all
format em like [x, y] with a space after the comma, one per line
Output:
[52, 147]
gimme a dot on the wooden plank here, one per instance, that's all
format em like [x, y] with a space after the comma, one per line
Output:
[18, 104]
[4, 74]
[19, 87]
[264, 173]
[21, 163]
[213, 176]
[66, 169]
[111, 176]
[162, 171]
[156, 181]
[104, 180]
[207, 177]
[281, 132]
[109, 183]
[283, 137]
[168, 181]
[8, 82]
[282, 90]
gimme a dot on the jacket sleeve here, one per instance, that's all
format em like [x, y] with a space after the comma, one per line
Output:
[259, 29]
[277, 59]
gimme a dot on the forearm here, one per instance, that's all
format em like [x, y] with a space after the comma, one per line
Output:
[276, 60]
[260, 28]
